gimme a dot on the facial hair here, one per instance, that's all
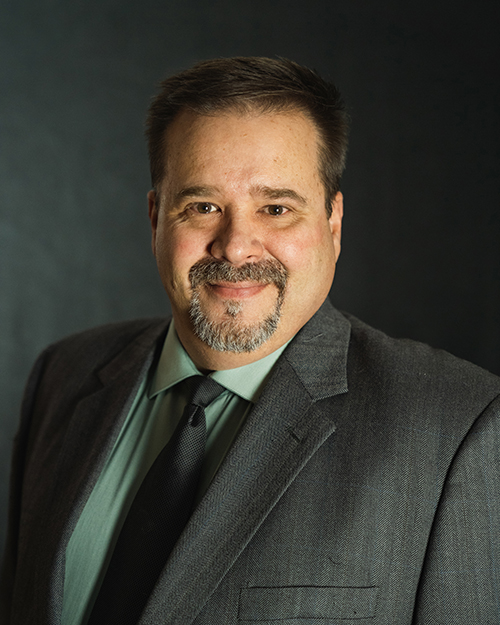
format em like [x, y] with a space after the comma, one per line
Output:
[231, 335]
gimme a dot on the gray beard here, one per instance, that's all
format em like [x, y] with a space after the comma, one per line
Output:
[230, 335]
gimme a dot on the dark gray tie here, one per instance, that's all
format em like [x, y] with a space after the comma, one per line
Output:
[157, 516]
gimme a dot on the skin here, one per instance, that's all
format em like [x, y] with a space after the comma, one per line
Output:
[244, 187]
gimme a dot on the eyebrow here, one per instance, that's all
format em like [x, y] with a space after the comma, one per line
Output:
[270, 193]
[196, 191]
[277, 194]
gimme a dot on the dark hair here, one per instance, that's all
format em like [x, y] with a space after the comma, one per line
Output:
[244, 83]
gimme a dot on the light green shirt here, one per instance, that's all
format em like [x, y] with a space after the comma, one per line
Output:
[152, 418]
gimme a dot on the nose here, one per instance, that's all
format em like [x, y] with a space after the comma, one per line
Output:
[237, 241]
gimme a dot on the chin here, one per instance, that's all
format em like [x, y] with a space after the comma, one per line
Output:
[230, 333]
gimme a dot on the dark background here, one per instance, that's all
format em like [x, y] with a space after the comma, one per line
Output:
[422, 229]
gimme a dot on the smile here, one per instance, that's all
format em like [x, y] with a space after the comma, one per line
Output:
[236, 290]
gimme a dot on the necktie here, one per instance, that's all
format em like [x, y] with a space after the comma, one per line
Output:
[157, 516]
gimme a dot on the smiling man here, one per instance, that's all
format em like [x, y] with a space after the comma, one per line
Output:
[259, 457]
[245, 248]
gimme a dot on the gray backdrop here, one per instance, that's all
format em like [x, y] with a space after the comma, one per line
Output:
[421, 238]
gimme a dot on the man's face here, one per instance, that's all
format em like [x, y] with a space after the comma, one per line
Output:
[244, 247]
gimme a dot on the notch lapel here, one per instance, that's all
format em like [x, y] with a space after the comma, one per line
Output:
[285, 428]
[92, 430]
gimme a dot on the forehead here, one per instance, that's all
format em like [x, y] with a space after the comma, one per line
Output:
[244, 144]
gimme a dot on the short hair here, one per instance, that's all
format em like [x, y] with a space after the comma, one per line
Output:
[253, 83]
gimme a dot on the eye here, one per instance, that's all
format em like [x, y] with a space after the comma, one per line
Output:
[276, 210]
[204, 208]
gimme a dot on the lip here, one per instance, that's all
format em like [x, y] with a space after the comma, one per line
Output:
[236, 290]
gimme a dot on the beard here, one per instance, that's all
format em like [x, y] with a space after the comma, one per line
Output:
[231, 334]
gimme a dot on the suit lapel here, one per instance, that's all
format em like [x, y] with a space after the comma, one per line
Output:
[283, 431]
[92, 431]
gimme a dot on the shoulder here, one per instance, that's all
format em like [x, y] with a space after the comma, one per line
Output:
[413, 377]
[94, 348]
[109, 335]
[408, 358]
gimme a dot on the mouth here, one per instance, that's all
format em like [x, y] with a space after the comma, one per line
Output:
[224, 281]
[236, 290]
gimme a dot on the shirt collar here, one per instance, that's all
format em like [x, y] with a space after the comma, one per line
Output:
[175, 365]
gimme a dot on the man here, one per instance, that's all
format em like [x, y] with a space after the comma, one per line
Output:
[346, 476]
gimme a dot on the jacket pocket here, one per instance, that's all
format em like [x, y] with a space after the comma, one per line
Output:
[307, 602]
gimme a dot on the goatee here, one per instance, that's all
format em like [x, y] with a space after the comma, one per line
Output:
[231, 335]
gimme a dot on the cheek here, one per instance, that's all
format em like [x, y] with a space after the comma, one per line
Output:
[180, 252]
[183, 250]
[304, 251]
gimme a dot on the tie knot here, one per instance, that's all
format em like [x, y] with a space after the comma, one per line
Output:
[203, 390]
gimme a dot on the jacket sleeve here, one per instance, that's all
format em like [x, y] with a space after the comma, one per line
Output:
[460, 580]
[19, 456]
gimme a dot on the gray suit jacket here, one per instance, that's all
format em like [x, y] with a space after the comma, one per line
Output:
[364, 485]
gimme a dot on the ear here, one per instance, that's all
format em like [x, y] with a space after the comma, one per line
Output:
[153, 217]
[335, 221]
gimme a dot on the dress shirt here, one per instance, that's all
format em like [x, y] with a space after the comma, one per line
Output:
[152, 418]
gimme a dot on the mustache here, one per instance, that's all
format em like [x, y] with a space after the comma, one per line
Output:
[210, 270]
